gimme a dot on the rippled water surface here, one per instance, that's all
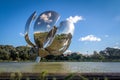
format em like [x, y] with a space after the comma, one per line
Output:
[60, 67]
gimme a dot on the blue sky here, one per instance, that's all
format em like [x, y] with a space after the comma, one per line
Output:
[100, 27]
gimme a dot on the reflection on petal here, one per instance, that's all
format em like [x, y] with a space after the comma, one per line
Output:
[66, 27]
[60, 43]
[32, 17]
[44, 28]
[49, 39]
[39, 38]
[42, 52]
[45, 19]
[62, 40]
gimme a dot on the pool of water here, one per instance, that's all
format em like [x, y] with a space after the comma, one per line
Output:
[60, 67]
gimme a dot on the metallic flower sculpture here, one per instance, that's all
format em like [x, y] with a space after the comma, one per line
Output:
[49, 39]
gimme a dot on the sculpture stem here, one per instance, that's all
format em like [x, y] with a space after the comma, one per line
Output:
[38, 58]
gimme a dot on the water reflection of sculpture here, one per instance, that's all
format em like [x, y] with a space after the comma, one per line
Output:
[49, 39]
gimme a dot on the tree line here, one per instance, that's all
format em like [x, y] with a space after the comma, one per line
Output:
[25, 53]
[20, 53]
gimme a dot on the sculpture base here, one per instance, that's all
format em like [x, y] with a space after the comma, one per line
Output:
[38, 59]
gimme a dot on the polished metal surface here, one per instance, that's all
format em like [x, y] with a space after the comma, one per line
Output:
[49, 39]
[32, 17]
[43, 25]
[62, 39]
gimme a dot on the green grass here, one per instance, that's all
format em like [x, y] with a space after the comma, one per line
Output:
[44, 74]
[16, 76]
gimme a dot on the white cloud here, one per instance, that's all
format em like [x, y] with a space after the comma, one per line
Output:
[90, 38]
[71, 21]
[49, 14]
[106, 36]
[48, 26]
[67, 52]
[75, 19]
[21, 34]
[39, 22]
[46, 17]
[116, 47]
